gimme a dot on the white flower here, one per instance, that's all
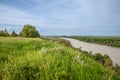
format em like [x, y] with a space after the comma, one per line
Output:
[43, 50]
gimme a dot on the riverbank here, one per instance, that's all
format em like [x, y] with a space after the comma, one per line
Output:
[113, 41]
[113, 52]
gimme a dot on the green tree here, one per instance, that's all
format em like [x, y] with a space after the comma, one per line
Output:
[13, 34]
[4, 33]
[29, 31]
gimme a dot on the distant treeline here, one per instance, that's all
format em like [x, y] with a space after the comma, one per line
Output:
[27, 31]
[109, 41]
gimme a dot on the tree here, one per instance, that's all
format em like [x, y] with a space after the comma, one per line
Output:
[4, 33]
[29, 31]
[13, 34]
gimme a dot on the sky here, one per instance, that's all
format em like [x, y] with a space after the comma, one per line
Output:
[62, 17]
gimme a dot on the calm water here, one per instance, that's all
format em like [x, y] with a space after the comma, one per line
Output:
[113, 52]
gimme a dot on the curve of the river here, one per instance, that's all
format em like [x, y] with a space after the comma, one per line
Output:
[113, 52]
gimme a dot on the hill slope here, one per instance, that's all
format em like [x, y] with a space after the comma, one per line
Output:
[38, 59]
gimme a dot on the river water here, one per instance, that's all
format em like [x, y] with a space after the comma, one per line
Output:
[113, 52]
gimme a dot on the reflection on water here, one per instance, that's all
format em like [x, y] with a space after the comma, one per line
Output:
[113, 52]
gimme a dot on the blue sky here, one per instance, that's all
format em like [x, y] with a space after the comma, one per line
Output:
[62, 17]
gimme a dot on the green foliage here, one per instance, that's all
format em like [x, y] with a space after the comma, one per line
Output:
[65, 42]
[29, 31]
[4, 33]
[38, 59]
[109, 41]
[117, 69]
[13, 34]
[105, 60]
[57, 39]
[99, 57]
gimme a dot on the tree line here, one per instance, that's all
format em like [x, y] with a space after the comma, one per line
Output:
[27, 31]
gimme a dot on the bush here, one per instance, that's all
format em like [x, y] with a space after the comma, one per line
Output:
[65, 42]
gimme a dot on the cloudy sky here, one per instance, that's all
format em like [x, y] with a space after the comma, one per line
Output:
[62, 17]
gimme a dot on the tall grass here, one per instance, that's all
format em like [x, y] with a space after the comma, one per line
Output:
[38, 59]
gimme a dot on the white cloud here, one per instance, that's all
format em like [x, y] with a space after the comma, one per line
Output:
[14, 16]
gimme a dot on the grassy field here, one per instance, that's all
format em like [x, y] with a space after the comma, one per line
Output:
[39, 59]
[104, 40]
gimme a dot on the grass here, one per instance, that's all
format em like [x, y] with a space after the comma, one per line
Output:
[39, 59]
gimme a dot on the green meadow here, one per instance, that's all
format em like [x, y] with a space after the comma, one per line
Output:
[40, 59]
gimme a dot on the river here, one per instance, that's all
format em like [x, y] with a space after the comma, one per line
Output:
[113, 52]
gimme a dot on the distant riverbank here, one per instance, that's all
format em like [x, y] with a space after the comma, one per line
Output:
[102, 40]
[113, 52]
